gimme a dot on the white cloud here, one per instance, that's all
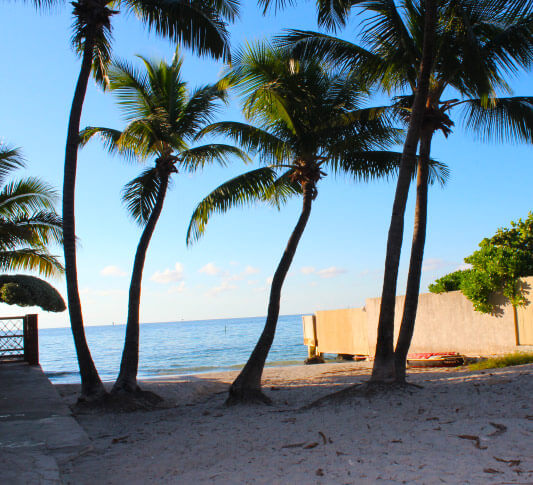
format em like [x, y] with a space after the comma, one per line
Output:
[224, 286]
[249, 270]
[169, 275]
[463, 266]
[432, 264]
[113, 271]
[177, 288]
[330, 272]
[252, 282]
[308, 270]
[268, 281]
[210, 269]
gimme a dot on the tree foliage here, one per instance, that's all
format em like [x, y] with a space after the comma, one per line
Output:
[24, 290]
[496, 267]
[28, 221]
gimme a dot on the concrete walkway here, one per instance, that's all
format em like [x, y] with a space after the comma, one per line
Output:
[37, 431]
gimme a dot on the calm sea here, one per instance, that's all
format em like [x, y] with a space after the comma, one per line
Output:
[172, 348]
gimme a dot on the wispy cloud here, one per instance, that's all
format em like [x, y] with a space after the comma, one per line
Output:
[307, 270]
[210, 269]
[224, 286]
[433, 264]
[331, 272]
[249, 270]
[177, 288]
[113, 271]
[169, 275]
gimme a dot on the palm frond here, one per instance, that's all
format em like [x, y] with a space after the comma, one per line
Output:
[283, 188]
[502, 119]
[197, 157]
[38, 260]
[200, 109]
[39, 229]
[133, 89]
[339, 53]
[268, 147]
[240, 191]
[193, 23]
[10, 160]
[26, 196]
[366, 165]
[439, 173]
[140, 194]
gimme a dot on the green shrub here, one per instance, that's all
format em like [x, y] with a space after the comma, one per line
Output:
[24, 290]
[449, 282]
[496, 267]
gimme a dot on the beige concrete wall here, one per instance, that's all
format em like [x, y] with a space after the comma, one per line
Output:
[525, 315]
[342, 331]
[445, 322]
[448, 322]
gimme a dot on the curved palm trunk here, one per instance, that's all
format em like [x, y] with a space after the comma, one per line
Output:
[127, 378]
[417, 255]
[247, 385]
[91, 385]
[383, 369]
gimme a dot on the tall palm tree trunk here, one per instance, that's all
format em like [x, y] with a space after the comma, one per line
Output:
[127, 378]
[247, 385]
[91, 385]
[383, 369]
[417, 255]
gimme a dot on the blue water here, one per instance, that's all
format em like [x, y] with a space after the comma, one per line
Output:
[172, 348]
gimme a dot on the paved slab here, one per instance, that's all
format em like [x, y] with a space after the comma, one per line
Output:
[37, 430]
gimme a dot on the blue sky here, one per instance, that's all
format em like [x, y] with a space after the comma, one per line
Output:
[340, 259]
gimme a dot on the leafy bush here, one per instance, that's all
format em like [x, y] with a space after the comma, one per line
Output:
[449, 282]
[23, 290]
[496, 267]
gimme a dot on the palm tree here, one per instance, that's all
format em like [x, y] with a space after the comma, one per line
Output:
[198, 24]
[163, 117]
[28, 221]
[307, 119]
[476, 44]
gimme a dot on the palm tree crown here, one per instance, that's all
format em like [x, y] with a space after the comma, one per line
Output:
[306, 120]
[477, 45]
[28, 221]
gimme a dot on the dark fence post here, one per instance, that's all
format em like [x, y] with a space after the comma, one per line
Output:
[31, 340]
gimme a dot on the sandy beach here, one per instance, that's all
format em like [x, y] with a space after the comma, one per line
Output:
[460, 427]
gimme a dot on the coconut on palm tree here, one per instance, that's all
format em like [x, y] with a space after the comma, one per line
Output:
[28, 221]
[164, 117]
[198, 24]
[307, 119]
[477, 44]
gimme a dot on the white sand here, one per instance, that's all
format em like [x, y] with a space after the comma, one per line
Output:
[403, 437]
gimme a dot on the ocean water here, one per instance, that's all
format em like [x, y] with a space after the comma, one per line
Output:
[172, 348]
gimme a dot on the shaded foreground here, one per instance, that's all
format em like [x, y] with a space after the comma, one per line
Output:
[461, 427]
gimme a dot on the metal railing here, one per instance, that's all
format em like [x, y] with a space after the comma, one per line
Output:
[19, 339]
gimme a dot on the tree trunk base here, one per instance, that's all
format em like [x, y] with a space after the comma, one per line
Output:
[120, 401]
[367, 390]
[247, 396]
[94, 393]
